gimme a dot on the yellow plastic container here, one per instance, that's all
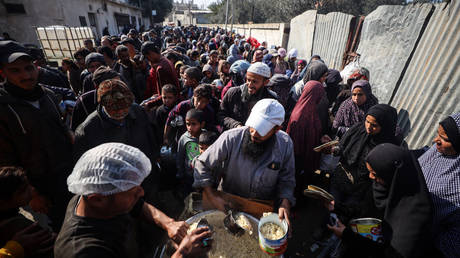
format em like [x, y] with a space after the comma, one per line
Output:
[368, 227]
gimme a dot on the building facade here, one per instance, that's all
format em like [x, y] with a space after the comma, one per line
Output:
[19, 18]
[186, 14]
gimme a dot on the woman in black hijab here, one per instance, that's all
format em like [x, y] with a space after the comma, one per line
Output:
[401, 194]
[350, 183]
[332, 85]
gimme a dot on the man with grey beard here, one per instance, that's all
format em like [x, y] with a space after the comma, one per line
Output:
[258, 161]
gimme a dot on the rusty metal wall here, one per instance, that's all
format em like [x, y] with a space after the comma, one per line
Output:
[388, 37]
[330, 37]
[430, 90]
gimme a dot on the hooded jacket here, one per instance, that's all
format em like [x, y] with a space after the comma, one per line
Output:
[37, 140]
[136, 130]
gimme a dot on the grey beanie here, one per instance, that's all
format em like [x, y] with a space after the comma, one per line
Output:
[94, 57]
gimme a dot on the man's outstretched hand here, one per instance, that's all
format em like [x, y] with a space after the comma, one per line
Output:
[177, 230]
[192, 244]
[35, 240]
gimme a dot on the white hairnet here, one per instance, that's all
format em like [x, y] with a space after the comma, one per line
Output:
[108, 169]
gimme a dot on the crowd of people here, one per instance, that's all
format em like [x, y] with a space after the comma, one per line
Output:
[83, 147]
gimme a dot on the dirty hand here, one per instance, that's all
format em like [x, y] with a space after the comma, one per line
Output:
[337, 230]
[35, 240]
[192, 245]
[284, 213]
[177, 230]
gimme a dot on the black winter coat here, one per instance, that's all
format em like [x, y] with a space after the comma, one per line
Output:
[36, 140]
[137, 130]
[233, 111]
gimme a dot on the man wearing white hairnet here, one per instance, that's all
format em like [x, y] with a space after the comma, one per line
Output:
[106, 183]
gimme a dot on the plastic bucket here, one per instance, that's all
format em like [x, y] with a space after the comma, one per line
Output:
[368, 227]
[273, 247]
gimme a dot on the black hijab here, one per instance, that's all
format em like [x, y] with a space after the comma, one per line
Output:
[356, 138]
[451, 129]
[332, 81]
[404, 198]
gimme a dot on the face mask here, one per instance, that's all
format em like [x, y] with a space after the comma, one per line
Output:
[324, 85]
[118, 116]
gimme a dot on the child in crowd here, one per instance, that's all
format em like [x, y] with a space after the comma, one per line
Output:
[175, 125]
[188, 149]
[194, 57]
[192, 78]
[182, 75]
[208, 74]
[169, 98]
[182, 72]
[20, 235]
[206, 139]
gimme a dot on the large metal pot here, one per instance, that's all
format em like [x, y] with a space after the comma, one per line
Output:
[254, 222]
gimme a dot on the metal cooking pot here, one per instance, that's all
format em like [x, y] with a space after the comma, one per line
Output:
[200, 215]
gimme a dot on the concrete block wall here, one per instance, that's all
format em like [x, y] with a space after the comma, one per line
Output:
[273, 33]
[301, 33]
[62, 12]
[21, 26]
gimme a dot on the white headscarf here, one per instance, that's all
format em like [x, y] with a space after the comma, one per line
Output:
[293, 53]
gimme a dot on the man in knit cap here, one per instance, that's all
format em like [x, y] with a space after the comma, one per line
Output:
[238, 101]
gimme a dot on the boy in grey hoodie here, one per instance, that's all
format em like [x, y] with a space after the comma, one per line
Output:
[188, 148]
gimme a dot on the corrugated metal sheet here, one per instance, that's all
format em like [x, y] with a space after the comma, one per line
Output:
[388, 37]
[330, 39]
[301, 34]
[429, 90]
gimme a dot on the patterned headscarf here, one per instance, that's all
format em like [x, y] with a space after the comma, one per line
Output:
[442, 175]
[349, 113]
[114, 95]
